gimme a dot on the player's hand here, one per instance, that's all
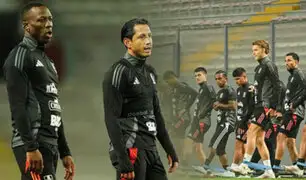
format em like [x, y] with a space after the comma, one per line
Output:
[291, 107]
[251, 88]
[69, 167]
[127, 176]
[172, 165]
[216, 105]
[278, 115]
[34, 162]
[271, 113]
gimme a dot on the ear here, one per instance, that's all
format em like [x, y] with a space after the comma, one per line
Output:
[127, 42]
[25, 25]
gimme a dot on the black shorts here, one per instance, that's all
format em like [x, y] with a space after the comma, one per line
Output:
[196, 131]
[148, 166]
[50, 157]
[241, 131]
[180, 125]
[290, 125]
[219, 139]
[260, 117]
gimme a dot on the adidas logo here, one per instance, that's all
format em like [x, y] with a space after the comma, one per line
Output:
[136, 81]
[39, 64]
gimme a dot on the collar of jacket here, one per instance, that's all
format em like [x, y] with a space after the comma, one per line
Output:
[266, 58]
[135, 61]
[32, 43]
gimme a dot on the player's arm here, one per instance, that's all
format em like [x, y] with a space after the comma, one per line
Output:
[211, 96]
[162, 133]
[276, 85]
[65, 153]
[299, 97]
[251, 105]
[192, 95]
[17, 89]
[63, 146]
[232, 104]
[113, 84]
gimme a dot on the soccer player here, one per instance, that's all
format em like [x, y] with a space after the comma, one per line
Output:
[32, 80]
[294, 112]
[132, 113]
[245, 107]
[225, 106]
[183, 96]
[266, 91]
[201, 118]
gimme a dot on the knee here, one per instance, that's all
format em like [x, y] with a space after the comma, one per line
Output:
[290, 143]
[220, 151]
[304, 130]
[260, 141]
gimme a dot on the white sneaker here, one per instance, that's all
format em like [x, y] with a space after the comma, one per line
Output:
[267, 174]
[241, 169]
[199, 169]
[294, 170]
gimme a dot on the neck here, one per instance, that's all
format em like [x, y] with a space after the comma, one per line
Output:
[134, 60]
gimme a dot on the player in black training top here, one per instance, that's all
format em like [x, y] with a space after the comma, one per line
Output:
[245, 106]
[31, 77]
[294, 112]
[225, 106]
[182, 96]
[201, 118]
[132, 113]
[266, 89]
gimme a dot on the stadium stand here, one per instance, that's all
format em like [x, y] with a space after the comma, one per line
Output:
[202, 28]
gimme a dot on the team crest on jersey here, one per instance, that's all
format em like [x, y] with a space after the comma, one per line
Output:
[238, 93]
[221, 95]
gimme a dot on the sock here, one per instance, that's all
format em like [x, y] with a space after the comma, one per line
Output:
[234, 165]
[207, 162]
[301, 161]
[247, 157]
[225, 167]
[267, 163]
[277, 162]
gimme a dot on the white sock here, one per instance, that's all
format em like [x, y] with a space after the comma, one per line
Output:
[247, 157]
[234, 165]
[268, 163]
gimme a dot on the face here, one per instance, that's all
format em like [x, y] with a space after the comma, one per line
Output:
[38, 23]
[290, 62]
[141, 43]
[200, 77]
[171, 81]
[221, 80]
[241, 80]
[258, 52]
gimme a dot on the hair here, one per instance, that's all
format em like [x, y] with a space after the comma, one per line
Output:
[127, 31]
[29, 6]
[200, 69]
[169, 75]
[294, 55]
[221, 72]
[238, 72]
[263, 44]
